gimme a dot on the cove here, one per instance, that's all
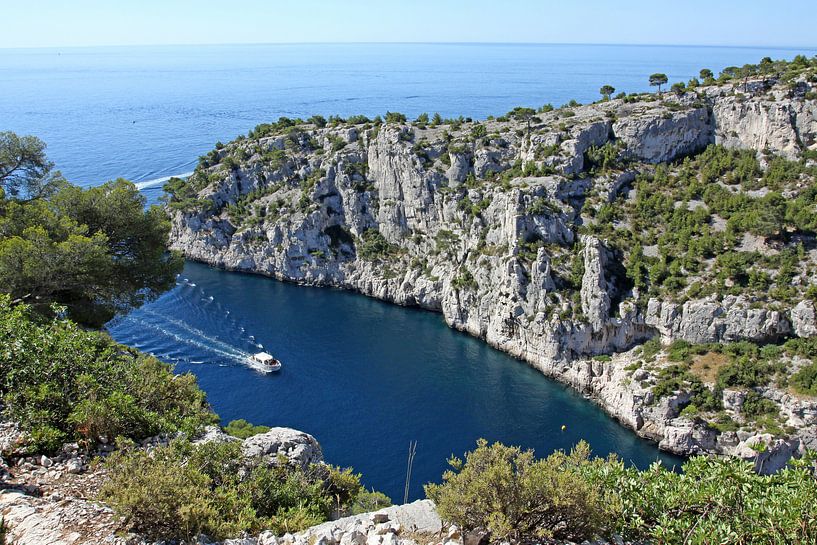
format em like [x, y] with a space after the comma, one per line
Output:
[364, 377]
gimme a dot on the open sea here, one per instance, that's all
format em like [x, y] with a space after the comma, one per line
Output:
[364, 377]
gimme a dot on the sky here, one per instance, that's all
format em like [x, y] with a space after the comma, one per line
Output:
[63, 23]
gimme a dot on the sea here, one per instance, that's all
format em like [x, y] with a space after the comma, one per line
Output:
[366, 378]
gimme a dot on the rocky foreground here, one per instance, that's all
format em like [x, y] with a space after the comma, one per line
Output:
[493, 224]
[53, 500]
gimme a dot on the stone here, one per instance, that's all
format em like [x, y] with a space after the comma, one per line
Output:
[454, 531]
[354, 537]
[74, 466]
[804, 320]
[476, 537]
[296, 446]
[733, 399]
[380, 517]
[214, 434]
[656, 138]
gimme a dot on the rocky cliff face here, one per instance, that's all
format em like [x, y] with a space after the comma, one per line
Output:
[482, 222]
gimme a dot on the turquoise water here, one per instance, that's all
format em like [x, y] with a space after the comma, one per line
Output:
[362, 376]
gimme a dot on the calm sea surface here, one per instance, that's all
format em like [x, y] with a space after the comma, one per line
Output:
[362, 376]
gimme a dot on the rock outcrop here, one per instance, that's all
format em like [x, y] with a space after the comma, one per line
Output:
[712, 321]
[295, 446]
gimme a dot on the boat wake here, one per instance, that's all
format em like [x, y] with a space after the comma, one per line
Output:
[159, 181]
[189, 326]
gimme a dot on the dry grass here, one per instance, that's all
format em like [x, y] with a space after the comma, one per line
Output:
[706, 366]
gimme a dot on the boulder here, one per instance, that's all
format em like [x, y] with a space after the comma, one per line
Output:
[296, 446]
[804, 319]
[214, 434]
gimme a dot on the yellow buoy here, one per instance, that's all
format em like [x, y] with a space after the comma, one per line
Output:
[564, 427]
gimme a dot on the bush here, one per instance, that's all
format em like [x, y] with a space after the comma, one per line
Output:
[374, 246]
[242, 429]
[650, 348]
[514, 497]
[395, 117]
[744, 371]
[804, 381]
[756, 405]
[518, 498]
[64, 383]
[183, 490]
[368, 501]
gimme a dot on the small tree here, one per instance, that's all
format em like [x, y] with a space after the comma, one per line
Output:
[520, 499]
[678, 88]
[706, 74]
[657, 80]
[606, 91]
[395, 117]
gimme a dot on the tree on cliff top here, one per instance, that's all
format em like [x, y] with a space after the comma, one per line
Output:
[657, 80]
[606, 91]
[96, 251]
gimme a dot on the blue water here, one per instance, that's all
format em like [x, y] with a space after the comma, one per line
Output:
[362, 376]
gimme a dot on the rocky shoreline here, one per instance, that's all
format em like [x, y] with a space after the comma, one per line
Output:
[481, 222]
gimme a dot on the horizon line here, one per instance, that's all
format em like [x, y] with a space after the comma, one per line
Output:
[499, 43]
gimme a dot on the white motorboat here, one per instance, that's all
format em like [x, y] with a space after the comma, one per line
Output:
[265, 362]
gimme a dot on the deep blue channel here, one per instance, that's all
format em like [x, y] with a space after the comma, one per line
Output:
[364, 377]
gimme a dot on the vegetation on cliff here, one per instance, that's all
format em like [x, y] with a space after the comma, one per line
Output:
[572, 496]
[716, 223]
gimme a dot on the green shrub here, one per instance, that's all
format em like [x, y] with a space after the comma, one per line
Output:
[368, 501]
[756, 405]
[395, 117]
[465, 280]
[65, 383]
[714, 500]
[518, 498]
[650, 348]
[337, 142]
[804, 381]
[242, 429]
[479, 131]
[744, 371]
[374, 246]
[183, 490]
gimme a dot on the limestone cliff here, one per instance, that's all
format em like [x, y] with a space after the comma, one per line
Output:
[492, 224]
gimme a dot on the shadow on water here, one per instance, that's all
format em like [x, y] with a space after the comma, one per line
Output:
[364, 377]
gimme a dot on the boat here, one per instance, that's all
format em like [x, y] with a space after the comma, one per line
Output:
[265, 362]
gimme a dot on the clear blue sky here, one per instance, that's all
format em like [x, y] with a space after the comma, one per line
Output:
[37, 23]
